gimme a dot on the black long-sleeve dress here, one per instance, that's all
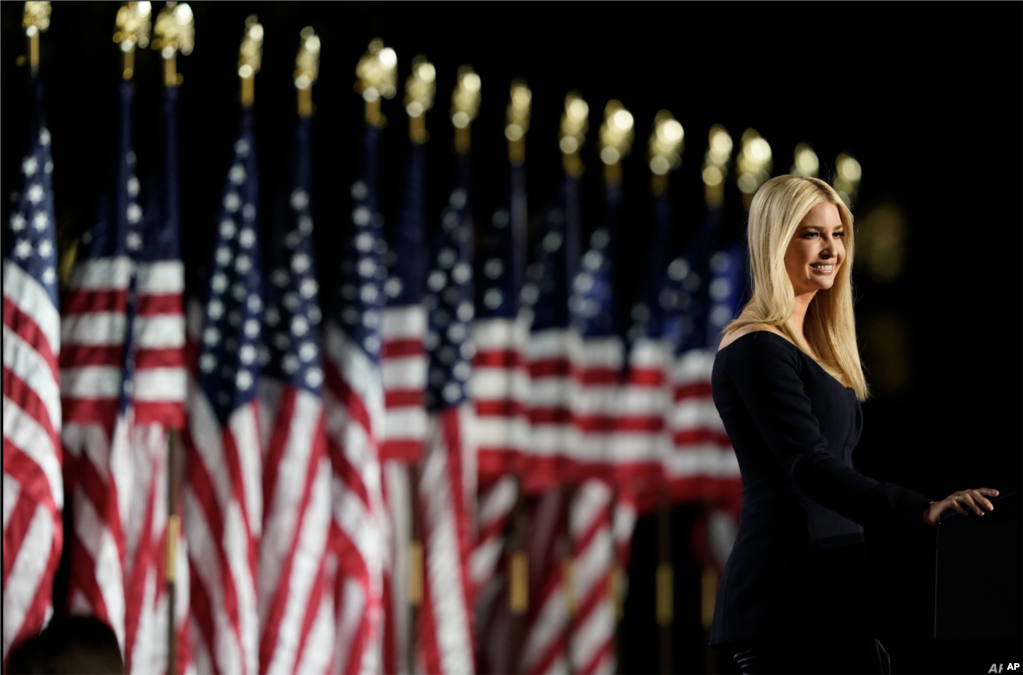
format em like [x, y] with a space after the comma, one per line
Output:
[798, 566]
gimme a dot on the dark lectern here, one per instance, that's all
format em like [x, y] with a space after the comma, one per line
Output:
[976, 597]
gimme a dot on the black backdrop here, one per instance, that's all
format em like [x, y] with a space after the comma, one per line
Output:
[928, 99]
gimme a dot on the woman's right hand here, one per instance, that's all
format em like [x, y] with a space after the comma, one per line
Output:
[966, 502]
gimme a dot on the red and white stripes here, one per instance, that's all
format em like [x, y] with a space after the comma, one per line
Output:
[97, 437]
[701, 464]
[33, 491]
[403, 367]
[223, 517]
[296, 522]
[554, 440]
[354, 401]
[446, 492]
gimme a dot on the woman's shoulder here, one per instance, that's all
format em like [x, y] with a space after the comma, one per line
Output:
[742, 331]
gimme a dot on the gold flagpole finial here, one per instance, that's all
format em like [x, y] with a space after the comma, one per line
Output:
[465, 105]
[848, 173]
[715, 165]
[377, 71]
[517, 123]
[574, 123]
[666, 144]
[804, 161]
[250, 57]
[754, 164]
[174, 31]
[35, 21]
[133, 24]
[307, 69]
[615, 140]
[420, 88]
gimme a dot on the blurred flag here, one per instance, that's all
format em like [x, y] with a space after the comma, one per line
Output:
[601, 406]
[692, 460]
[500, 378]
[447, 482]
[33, 490]
[224, 485]
[554, 348]
[647, 392]
[354, 400]
[97, 383]
[555, 353]
[159, 398]
[403, 322]
[295, 604]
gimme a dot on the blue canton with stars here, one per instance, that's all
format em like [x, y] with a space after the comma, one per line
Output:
[161, 216]
[228, 363]
[29, 234]
[291, 351]
[449, 300]
[503, 255]
[550, 276]
[656, 314]
[591, 303]
[408, 251]
[360, 294]
[687, 285]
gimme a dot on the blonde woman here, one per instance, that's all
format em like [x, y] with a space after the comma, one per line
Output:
[788, 384]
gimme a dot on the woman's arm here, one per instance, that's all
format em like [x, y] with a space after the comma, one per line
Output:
[766, 375]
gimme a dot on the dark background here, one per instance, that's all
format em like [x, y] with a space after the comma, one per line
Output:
[927, 98]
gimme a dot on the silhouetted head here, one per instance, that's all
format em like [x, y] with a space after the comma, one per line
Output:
[69, 645]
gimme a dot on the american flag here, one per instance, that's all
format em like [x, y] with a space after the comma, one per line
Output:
[554, 347]
[33, 491]
[295, 604]
[647, 395]
[555, 358]
[403, 323]
[97, 383]
[500, 377]
[354, 400]
[589, 523]
[159, 398]
[701, 457]
[447, 484]
[224, 484]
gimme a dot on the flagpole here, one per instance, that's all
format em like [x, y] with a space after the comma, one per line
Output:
[36, 19]
[574, 123]
[664, 147]
[516, 126]
[615, 141]
[174, 31]
[420, 88]
[250, 58]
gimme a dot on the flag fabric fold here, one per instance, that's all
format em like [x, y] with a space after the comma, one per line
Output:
[295, 605]
[447, 483]
[33, 487]
[223, 494]
[499, 383]
[158, 394]
[98, 366]
[354, 401]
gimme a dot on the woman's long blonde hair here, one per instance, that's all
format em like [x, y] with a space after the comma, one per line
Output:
[830, 326]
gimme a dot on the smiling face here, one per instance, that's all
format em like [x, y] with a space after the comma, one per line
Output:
[817, 250]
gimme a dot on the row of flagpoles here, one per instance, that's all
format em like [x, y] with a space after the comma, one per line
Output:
[439, 474]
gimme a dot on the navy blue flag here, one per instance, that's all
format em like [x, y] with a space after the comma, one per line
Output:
[292, 353]
[450, 300]
[228, 367]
